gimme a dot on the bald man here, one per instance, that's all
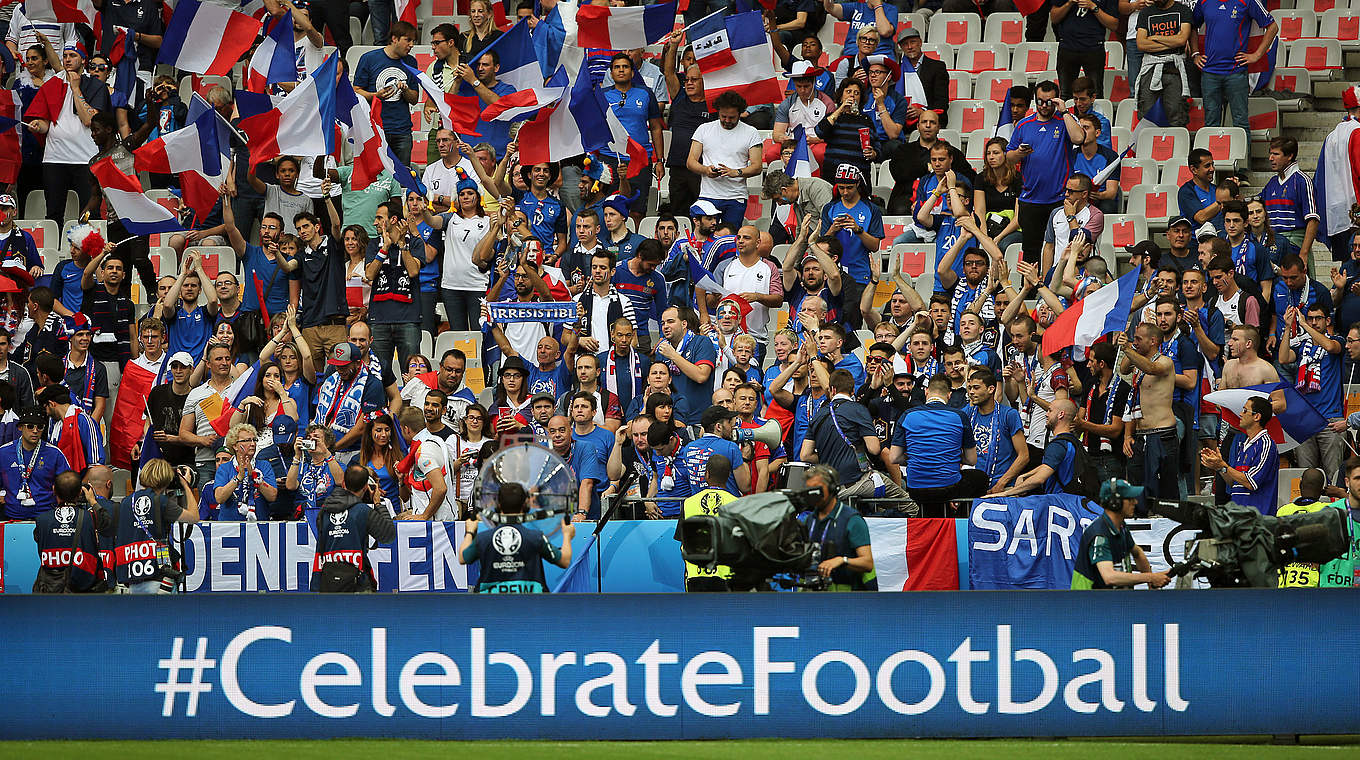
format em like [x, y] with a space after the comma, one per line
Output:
[754, 277]
[1058, 468]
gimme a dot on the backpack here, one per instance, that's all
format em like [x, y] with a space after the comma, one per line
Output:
[1082, 483]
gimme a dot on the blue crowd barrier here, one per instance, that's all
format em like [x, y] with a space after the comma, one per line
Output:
[683, 666]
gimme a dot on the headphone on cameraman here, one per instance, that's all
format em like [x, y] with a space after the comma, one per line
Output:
[827, 475]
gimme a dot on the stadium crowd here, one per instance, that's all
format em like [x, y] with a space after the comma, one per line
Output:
[308, 322]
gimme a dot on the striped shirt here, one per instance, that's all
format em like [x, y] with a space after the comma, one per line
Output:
[1289, 201]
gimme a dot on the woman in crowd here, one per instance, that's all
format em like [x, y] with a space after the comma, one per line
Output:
[269, 402]
[463, 282]
[1259, 231]
[244, 484]
[416, 364]
[429, 267]
[69, 147]
[467, 452]
[997, 196]
[481, 31]
[355, 242]
[313, 473]
[841, 129]
[379, 452]
[297, 370]
[511, 399]
[658, 381]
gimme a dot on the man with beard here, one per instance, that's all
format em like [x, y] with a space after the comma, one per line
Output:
[448, 379]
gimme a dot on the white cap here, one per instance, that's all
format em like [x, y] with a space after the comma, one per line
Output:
[182, 358]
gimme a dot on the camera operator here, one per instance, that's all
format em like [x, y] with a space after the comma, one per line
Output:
[842, 534]
[511, 553]
[142, 549]
[346, 522]
[707, 502]
[68, 542]
[1107, 543]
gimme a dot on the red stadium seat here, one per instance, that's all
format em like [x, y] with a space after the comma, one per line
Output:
[1006, 28]
[968, 115]
[1163, 143]
[982, 56]
[954, 29]
[1034, 57]
[1122, 231]
[1153, 203]
[1342, 24]
[1136, 171]
[1296, 24]
[1322, 57]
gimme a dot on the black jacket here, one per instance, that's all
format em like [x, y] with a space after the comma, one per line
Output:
[380, 525]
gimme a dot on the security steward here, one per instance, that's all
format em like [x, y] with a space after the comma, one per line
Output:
[68, 542]
[1107, 546]
[512, 554]
[706, 502]
[1311, 485]
[343, 527]
[842, 533]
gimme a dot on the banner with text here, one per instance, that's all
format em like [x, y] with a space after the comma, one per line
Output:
[1046, 663]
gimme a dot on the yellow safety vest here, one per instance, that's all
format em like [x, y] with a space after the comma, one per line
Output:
[706, 502]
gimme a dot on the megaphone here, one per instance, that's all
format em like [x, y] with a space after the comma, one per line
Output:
[769, 434]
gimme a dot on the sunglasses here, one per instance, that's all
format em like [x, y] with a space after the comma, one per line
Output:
[97, 67]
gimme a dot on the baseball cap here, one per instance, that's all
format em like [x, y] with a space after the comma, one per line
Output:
[285, 430]
[704, 208]
[1350, 97]
[908, 32]
[1146, 248]
[715, 414]
[1119, 489]
[182, 358]
[803, 69]
[1206, 231]
[848, 174]
[343, 353]
[542, 396]
[1175, 220]
[77, 323]
[515, 363]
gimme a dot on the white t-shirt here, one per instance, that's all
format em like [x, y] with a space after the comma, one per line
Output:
[306, 55]
[433, 456]
[736, 277]
[443, 180]
[461, 236]
[199, 403]
[68, 141]
[725, 147]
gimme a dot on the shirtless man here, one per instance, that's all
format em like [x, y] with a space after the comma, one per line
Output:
[1152, 452]
[1248, 368]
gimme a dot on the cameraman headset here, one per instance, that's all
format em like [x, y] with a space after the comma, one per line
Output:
[842, 534]
[1107, 542]
[511, 552]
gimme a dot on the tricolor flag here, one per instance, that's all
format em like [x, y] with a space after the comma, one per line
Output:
[711, 43]
[456, 112]
[1155, 117]
[524, 104]
[406, 11]
[372, 154]
[624, 28]
[1103, 312]
[580, 123]
[699, 275]
[555, 34]
[801, 162]
[274, 60]
[11, 108]
[1005, 125]
[129, 411]
[206, 38]
[302, 124]
[139, 214]
[62, 11]
[121, 48]
[1297, 423]
[518, 61]
[235, 393]
[194, 154]
[1336, 183]
[920, 554]
[739, 59]
[909, 84]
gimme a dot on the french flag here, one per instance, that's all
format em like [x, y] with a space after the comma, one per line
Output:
[624, 28]
[526, 103]
[121, 48]
[750, 71]
[711, 42]
[207, 39]
[274, 60]
[63, 11]
[585, 125]
[1297, 423]
[302, 124]
[1155, 117]
[699, 274]
[1005, 125]
[237, 392]
[909, 84]
[406, 11]
[518, 61]
[194, 154]
[139, 214]
[1104, 311]
[456, 112]
[11, 108]
[372, 154]
[801, 162]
